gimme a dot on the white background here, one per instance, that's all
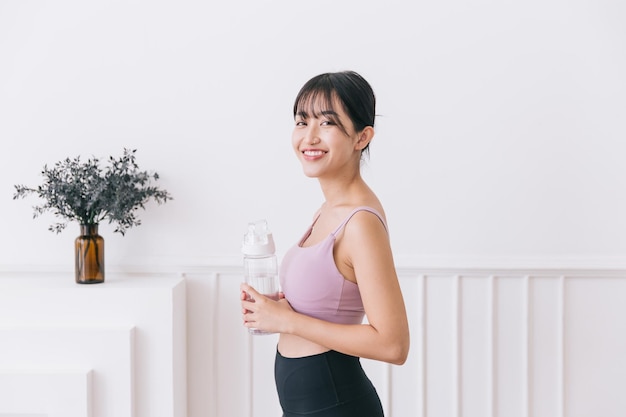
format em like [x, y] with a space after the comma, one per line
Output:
[501, 132]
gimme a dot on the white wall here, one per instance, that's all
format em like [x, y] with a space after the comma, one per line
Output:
[501, 133]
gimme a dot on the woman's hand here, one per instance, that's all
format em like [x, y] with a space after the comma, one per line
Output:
[263, 313]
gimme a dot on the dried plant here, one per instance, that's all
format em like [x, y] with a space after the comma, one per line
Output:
[87, 193]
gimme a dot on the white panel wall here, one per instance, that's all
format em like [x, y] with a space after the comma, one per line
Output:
[595, 341]
[484, 343]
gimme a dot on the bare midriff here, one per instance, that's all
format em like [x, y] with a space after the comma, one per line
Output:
[292, 346]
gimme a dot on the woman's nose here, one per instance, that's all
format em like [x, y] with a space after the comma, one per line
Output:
[312, 136]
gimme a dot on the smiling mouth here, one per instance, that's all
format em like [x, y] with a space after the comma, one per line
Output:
[313, 153]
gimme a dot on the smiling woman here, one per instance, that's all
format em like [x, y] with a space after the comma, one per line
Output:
[341, 271]
[321, 95]
[333, 111]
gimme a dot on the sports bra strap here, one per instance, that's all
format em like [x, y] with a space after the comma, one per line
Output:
[356, 210]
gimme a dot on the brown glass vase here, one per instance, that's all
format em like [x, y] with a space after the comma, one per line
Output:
[89, 255]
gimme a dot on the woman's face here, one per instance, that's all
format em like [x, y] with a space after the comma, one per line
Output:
[324, 148]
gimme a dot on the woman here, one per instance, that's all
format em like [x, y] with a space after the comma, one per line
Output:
[341, 270]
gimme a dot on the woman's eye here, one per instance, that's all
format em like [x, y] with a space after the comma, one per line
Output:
[327, 123]
[300, 123]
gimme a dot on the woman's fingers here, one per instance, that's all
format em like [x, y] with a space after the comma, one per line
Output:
[260, 311]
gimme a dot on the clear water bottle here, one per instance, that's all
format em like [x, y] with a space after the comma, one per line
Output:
[259, 262]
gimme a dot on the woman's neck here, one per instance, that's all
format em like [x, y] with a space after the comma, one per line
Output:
[342, 191]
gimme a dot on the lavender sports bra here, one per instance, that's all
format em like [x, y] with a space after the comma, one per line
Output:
[314, 286]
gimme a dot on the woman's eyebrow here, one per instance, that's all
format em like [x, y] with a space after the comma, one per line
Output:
[303, 114]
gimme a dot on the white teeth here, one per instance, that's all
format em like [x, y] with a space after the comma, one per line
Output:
[313, 153]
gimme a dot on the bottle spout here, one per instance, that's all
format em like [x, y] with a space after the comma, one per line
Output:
[258, 239]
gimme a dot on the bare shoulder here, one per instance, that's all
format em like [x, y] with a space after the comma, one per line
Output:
[365, 236]
[363, 239]
[364, 222]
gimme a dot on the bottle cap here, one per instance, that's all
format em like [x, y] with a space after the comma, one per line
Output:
[258, 240]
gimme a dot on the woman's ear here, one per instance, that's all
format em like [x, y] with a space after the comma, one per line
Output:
[365, 137]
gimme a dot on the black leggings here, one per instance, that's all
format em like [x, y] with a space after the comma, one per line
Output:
[329, 384]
